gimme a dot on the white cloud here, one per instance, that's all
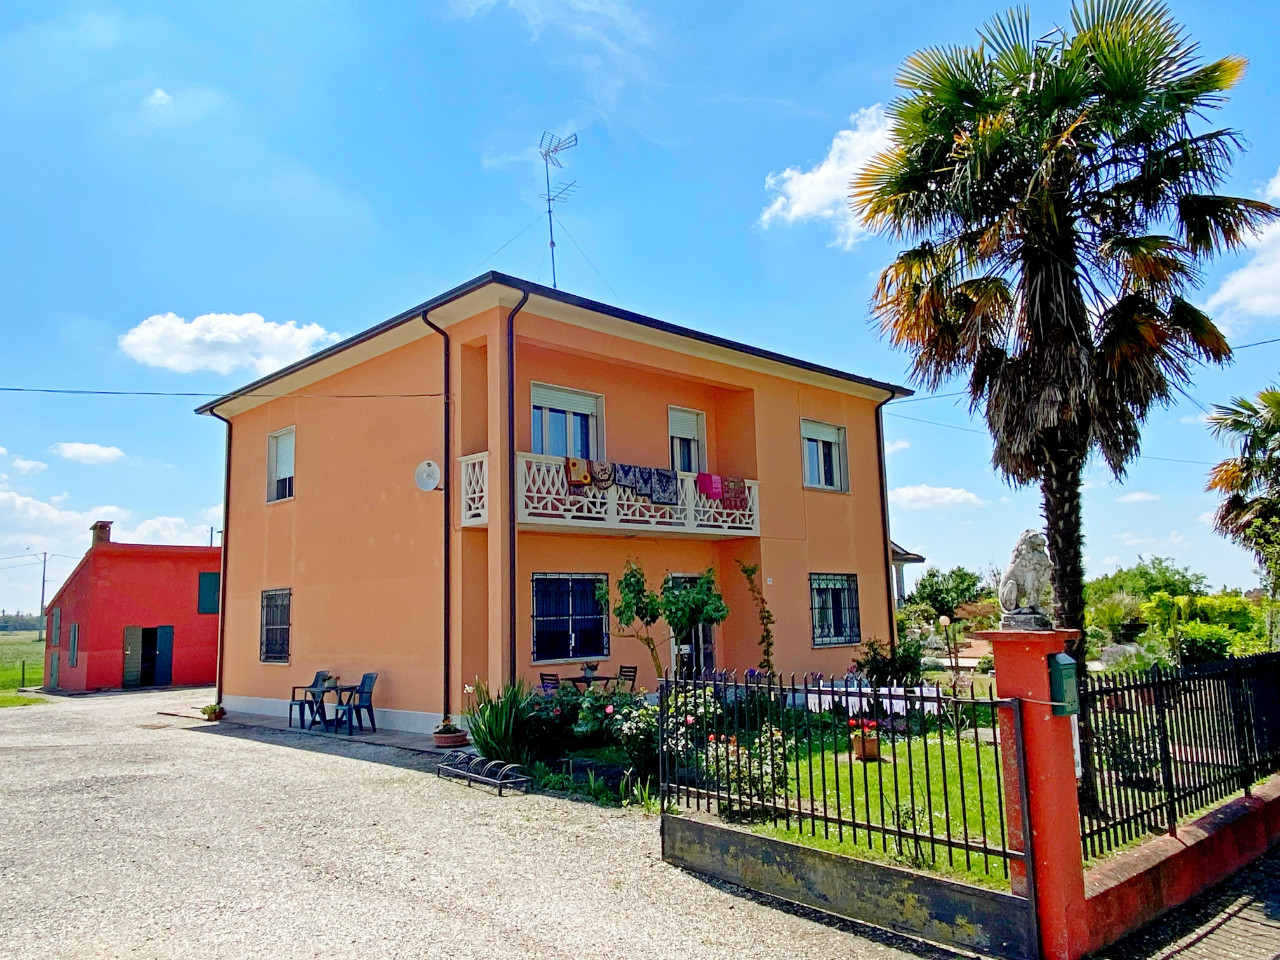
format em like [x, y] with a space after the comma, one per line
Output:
[822, 191]
[1253, 291]
[222, 342]
[893, 446]
[1199, 419]
[1111, 561]
[608, 42]
[1207, 517]
[87, 452]
[1137, 496]
[924, 497]
[25, 466]
[3, 451]
[1131, 538]
[158, 98]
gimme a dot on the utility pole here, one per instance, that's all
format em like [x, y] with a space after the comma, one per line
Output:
[44, 562]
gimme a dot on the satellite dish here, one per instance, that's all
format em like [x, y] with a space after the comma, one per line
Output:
[427, 476]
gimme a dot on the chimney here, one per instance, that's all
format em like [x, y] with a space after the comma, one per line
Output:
[101, 531]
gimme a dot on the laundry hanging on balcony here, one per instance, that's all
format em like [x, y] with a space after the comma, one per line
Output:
[578, 471]
[666, 487]
[644, 481]
[735, 494]
[710, 485]
[602, 472]
[624, 475]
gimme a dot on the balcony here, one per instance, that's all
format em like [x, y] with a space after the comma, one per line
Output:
[543, 501]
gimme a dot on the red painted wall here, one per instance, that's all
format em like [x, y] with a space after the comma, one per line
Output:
[120, 585]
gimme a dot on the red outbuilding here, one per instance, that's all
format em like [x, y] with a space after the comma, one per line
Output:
[135, 615]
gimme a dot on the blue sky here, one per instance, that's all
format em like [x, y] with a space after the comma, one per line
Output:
[196, 193]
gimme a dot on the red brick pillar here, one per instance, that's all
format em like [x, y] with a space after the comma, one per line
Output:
[1022, 671]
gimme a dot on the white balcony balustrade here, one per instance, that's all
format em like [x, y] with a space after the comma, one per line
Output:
[543, 499]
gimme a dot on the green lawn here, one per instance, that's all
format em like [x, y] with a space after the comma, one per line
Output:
[879, 794]
[15, 647]
[18, 700]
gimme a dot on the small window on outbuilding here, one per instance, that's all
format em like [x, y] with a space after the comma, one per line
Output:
[207, 598]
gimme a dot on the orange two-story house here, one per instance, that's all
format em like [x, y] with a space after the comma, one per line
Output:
[335, 558]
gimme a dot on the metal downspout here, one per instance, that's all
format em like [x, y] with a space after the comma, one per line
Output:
[884, 519]
[447, 471]
[511, 483]
[222, 560]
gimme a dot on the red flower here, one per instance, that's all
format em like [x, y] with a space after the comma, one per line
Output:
[711, 739]
[556, 711]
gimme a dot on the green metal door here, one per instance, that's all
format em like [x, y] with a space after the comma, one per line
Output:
[164, 656]
[53, 671]
[132, 656]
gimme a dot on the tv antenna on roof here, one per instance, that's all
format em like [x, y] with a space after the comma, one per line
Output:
[549, 147]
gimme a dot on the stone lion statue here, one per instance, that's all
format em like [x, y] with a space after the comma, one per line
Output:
[1025, 580]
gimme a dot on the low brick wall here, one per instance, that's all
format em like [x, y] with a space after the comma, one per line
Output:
[1136, 887]
[917, 904]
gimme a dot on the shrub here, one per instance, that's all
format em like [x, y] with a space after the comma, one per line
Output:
[501, 727]
[986, 663]
[756, 770]
[904, 665]
[1228, 610]
[1131, 754]
[1202, 642]
[638, 734]
[932, 665]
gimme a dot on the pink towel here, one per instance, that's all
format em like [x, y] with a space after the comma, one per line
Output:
[710, 486]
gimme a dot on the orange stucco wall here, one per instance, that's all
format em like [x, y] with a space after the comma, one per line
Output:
[361, 547]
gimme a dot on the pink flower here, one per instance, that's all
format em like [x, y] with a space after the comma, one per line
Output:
[688, 719]
[556, 711]
[609, 708]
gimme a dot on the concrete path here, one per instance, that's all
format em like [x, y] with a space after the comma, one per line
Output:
[127, 833]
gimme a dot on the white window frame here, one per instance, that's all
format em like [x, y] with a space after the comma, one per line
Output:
[272, 440]
[73, 645]
[574, 401]
[819, 432]
[700, 435]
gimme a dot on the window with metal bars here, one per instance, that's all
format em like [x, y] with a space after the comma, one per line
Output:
[833, 603]
[274, 643]
[568, 620]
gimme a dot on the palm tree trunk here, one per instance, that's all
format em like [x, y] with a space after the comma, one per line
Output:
[1060, 490]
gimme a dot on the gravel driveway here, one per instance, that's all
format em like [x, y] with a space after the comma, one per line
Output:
[129, 834]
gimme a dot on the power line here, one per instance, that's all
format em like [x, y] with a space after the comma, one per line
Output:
[932, 396]
[1260, 343]
[250, 396]
[536, 219]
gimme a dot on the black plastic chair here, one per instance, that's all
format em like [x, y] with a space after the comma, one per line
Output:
[361, 698]
[627, 675]
[305, 700]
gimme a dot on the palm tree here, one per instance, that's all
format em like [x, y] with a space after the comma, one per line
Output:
[1250, 481]
[1057, 206]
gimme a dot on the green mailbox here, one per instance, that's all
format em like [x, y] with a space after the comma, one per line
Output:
[1063, 690]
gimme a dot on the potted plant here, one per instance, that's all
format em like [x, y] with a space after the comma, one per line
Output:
[589, 668]
[213, 711]
[865, 739]
[449, 736]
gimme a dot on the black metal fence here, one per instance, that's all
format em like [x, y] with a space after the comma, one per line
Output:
[911, 775]
[1160, 745]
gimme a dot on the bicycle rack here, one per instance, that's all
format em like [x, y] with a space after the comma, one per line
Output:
[459, 765]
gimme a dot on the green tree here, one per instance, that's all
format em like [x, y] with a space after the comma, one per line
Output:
[1248, 482]
[946, 591]
[637, 610]
[1057, 205]
[1146, 577]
